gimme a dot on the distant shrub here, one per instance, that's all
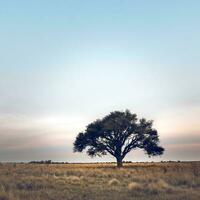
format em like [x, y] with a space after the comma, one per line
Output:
[162, 184]
[158, 186]
[113, 182]
[127, 162]
[73, 179]
[41, 162]
[134, 186]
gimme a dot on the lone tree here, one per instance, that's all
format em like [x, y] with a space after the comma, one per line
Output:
[117, 134]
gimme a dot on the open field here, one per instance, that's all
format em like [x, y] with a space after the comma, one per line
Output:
[154, 181]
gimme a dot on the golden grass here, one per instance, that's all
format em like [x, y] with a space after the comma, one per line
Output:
[141, 181]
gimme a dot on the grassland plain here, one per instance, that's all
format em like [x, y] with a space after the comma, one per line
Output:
[153, 181]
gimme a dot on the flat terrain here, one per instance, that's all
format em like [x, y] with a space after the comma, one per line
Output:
[154, 181]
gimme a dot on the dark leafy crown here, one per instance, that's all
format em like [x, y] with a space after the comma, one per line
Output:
[118, 133]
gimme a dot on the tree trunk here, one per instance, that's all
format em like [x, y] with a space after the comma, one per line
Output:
[119, 162]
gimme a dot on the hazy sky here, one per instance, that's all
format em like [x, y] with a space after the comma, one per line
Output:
[65, 63]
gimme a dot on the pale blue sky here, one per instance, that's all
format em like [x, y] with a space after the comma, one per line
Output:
[65, 63]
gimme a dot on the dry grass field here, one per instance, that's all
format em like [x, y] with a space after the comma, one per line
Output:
[153, 181]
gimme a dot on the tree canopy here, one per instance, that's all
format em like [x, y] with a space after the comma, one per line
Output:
[117, 134]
